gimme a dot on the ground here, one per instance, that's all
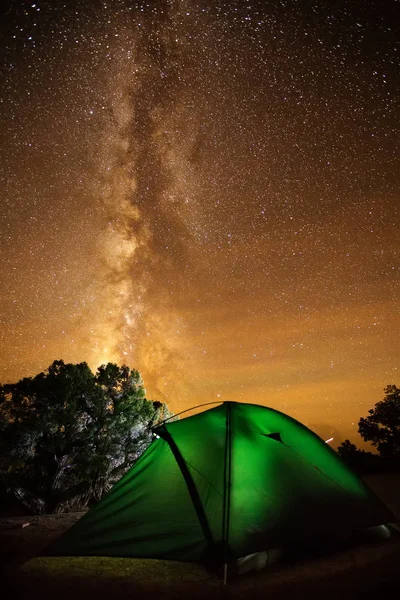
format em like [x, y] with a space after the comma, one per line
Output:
[367, 570]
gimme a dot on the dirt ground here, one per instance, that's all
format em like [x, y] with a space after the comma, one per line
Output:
[22, 538]
[360, 571]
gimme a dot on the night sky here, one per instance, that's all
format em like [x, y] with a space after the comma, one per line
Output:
[207, 192]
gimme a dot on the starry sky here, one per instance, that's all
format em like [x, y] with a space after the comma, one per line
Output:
[206, 191]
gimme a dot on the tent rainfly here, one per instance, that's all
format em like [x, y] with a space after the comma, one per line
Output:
[222, 484]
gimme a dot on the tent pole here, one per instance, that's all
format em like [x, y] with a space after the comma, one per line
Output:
[185, 411]
[227, 489]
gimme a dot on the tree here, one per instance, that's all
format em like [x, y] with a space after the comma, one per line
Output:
[66, 435]
[347, 450]
[382, 426]
[352, 455]
[359, 460]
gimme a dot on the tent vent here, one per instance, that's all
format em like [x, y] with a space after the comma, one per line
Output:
[274, 436]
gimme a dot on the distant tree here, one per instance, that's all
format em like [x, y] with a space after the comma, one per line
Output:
[348, 450]
[382, 426]
[359, 460]
[351, 455]
[66, 435]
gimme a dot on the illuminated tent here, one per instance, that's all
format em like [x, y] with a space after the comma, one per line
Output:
[230, 481]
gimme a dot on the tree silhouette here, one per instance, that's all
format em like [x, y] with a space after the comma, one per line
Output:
[382, 426]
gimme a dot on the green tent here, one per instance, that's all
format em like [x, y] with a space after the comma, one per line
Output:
[230, 481]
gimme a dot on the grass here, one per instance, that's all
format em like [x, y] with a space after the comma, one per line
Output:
[147, 571]
[76, 578]
[367, 572]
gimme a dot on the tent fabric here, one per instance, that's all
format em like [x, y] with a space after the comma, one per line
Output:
[230, 481]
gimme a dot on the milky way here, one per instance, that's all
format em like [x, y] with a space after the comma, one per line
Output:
[208, 192]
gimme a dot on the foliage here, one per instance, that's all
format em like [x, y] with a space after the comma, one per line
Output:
[382, 426]
[66, 435]
[347, 450]
[352, 456]
[360, 461]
